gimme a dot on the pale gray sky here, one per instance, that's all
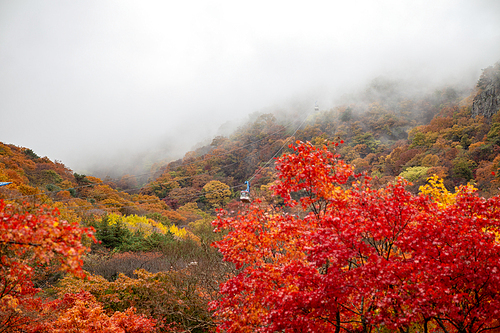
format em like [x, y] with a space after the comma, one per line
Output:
[82, 81]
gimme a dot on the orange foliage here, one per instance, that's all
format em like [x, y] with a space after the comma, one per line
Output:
[81, 313]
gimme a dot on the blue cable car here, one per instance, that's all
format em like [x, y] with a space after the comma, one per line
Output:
[245, 195]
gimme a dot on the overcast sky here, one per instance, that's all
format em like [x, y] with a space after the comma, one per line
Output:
[86, 81]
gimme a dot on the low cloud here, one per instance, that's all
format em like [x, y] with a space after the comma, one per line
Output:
[94, 82]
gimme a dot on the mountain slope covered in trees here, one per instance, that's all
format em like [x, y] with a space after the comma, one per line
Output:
[386, 131]
[152, 257]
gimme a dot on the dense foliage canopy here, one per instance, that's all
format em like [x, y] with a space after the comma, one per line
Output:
[354, 259]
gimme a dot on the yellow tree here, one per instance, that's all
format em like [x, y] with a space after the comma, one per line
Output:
[216, 193]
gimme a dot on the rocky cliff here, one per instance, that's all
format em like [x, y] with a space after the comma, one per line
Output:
[487, 100]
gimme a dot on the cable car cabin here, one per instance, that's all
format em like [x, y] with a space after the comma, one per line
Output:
[316, 108]
[245, 196]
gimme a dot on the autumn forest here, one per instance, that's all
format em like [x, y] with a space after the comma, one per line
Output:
[381, 214]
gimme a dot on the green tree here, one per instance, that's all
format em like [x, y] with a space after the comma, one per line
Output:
[414, 174]
[463, 167]
[112, 235]
[493, 135]
[346, 115]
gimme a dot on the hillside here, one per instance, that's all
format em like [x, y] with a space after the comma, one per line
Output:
[385, 133]
[152, 253]
[38, 180]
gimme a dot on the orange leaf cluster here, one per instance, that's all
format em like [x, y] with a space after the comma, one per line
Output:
[81, 313]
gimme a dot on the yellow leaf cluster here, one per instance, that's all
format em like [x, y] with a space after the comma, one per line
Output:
[183, 233]
[138, 223]
[149, 226]
[436, 190]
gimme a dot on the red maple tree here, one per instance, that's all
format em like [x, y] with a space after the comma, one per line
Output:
[356, 259]
[33, 239]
